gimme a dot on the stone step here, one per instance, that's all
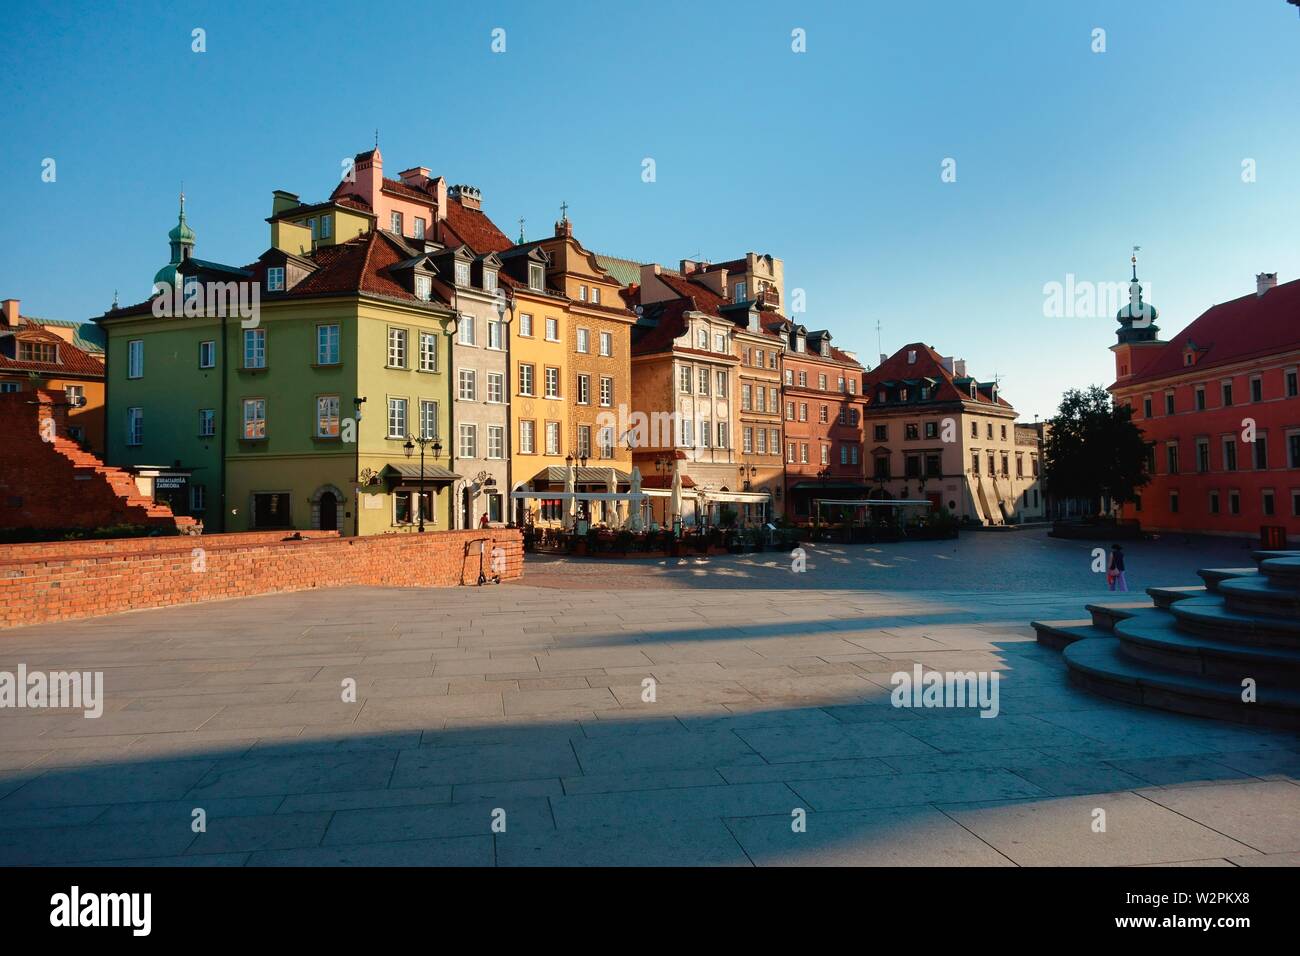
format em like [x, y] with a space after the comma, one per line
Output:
[1259, 556]
[1213, 576]
[1158, 641]
[1164, 597]
[1283, 572]
[1261, 596]
[1104, 616]
[1099, 667]
[1059, 634]
[1211, 617]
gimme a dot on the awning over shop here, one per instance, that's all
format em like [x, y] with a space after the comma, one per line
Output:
[411, 471]
[576, 495]
[738, 497]
[591, 475]
[828, 486]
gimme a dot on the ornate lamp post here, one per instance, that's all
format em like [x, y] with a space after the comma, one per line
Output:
[411, 442]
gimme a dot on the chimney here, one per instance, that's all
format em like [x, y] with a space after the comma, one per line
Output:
[416, 176]
[1265, 281]
[883, 358]
[947, 363]
[959, 368]
[368, 170]
[564, 228]
[10, 313]
[440, 193]
[469, 196]
[281, 200]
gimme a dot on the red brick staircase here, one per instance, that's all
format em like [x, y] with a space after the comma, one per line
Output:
[55, 484]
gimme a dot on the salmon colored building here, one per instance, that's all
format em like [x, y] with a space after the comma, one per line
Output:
[1219, 406]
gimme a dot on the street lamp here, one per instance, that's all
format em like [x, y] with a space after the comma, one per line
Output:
[409, 447]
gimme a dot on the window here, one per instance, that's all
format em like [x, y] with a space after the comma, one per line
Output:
[465, 330]
[327, 416]
[931, 429]
[1202, 455]
[803, 411]
[428, 352]
[395, 223]
[704, 381]
[552, 330]
[490, 280]
[881, 468]
[467, 443]
[404, 505]
[417, 227]
[1004, 432]
[1229, 454]
[826, 454]
[719, 342]
[327, 345]
[605, 437]
[595, 298]
[706, 433]
[761, 394]
[790, 453]
[789, 411]
[536, 276]
[526, 437]
[762, 443]
[606, 344]
[746, 397]
[789, 377]
[467, 385]
[721, 382]
[606, 391]
[423, 288]
[1173, 502]
[1199, 398]
[254, 348]
[526, 379]
[723, 435]
[552, 382]
[496, 334]
[1295, 503]
[496, 387]
[254, 419]
[702, 339]
[1257, 389]
[584, 441]
[933, 464]
[823, 415]
[325, 223]
[207, 354]
[974, 430]
[803, 379]
[1146, 407]
[525, 325]
[135, 426]
[1293, 450]
[552, 438]
[462, 273]
[1234, 502]
[207, 422]
[1266, 502]
[1261, 452]
[1292, 384]
[275, 279]
[1006, 471]
[911, 433]
[584, 389]
[880, 433]
[774, 442]
[582, 293]
[397, 418]
[135, 358]
[1171, 457]
[584, 340]
[821, 381]
[1169, 403]
[428, 419]
[912, 466]
[1227, 393]
[198, 498]
[684, 380]
[396, 348]
[803, 453]
[988, 431]
[688, 432]
[9, 388]
[740, 289]
[975, 462]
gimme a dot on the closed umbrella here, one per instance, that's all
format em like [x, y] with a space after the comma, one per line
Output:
[571, 503]
[634, 516]
[675, 501]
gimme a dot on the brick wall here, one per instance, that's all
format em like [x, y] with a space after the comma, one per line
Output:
[95, 580]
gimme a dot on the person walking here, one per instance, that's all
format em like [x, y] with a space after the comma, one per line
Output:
[1115, 570]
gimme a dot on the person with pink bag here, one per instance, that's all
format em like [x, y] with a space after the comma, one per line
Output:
[1115, 570]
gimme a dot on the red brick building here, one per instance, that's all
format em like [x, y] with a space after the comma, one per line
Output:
[824, 408]
[1219, 405]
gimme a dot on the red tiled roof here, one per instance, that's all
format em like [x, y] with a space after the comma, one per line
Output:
[471, 227]
[72, 360]
[409, 191]
[360, 265]
[928, 364]
[1235, 331]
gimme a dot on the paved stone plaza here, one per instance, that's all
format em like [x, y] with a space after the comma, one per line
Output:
[772, 695]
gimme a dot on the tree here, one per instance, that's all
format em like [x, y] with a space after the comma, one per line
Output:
[1093, 450]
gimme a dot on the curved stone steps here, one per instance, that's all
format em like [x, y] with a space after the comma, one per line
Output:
[1211, 617]
[1213, 577]
[1163, 597]
[1261, 595]
[1158, 641]
[1284, 572]
[1060, 634]
[1100, 667]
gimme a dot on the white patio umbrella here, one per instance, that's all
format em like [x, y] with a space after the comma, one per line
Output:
[633, 522]
[675, 501]
[610, 508]
[571, 503]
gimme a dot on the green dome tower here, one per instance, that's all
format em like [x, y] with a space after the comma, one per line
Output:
[181, 239]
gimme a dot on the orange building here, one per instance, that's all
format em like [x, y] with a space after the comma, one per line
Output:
[54, 356]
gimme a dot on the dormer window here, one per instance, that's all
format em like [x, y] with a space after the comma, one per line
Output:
[418, 227]
[741, 290]
[395, 223]
[46, 352]
[882, 396]
[826, 349]
[972, 390]
[315, 229]
[798, 343]
[462, 273]
[275, 279]
[702, 339]
[536, 276]
[325, 226]
[423, 288]
[490, 280]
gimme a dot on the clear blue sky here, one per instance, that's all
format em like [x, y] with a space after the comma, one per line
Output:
[829, 159]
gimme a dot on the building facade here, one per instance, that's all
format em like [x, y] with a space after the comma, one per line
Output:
[937, 433]
[1219, 407]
